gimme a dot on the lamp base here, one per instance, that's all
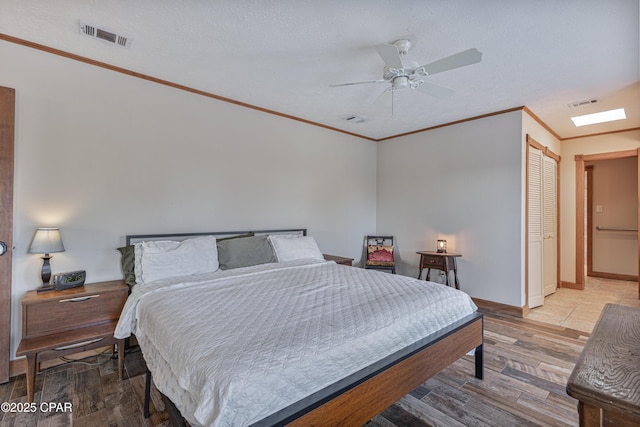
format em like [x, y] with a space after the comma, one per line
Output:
[46, 274]
[46, 269]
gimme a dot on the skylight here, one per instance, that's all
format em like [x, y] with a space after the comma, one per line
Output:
[601, 117]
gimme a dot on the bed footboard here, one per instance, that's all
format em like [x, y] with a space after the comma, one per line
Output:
[358, 398]
[357, 403]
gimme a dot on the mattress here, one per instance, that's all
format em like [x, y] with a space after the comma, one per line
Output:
[232, 347]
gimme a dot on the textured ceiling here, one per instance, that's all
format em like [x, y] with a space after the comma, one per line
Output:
[282, 55]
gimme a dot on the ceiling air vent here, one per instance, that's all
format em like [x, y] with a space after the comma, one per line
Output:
[102, 34]
[582, 103]
[354, 119]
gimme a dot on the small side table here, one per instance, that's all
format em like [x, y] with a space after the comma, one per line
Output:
[444, 261]
[59, 323]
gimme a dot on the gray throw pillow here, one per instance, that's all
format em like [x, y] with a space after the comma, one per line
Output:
[236, 253]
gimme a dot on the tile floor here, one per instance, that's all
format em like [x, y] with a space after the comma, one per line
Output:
[581, 309]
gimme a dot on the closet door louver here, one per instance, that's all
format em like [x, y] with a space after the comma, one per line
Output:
[535, 228]
[550, 224]
[550, 201]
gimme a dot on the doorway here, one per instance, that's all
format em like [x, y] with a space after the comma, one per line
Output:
[611, 214]
[582, 236]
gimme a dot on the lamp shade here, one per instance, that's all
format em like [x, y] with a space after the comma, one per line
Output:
[46, 241]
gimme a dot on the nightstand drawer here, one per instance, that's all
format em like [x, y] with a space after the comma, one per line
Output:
[442, 261]
[67, 311]
[433, 262]
[59, 323]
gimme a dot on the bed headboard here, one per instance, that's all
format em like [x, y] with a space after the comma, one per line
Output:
[135, 238]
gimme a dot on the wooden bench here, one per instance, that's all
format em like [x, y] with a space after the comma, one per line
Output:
[606, 379]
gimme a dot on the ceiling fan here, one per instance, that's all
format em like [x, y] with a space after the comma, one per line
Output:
[401, 73]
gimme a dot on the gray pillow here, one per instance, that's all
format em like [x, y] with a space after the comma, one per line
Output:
[236, 253]
[127, 262]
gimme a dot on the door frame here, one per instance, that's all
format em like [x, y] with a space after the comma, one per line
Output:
[580, 160]
[7, 135]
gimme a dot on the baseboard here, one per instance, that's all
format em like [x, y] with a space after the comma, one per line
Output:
[571, 285]
[615, 276]
[499, 308]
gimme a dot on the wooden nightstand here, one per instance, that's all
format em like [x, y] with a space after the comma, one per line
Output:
[339, 259]
[58, 323]
[440, 261]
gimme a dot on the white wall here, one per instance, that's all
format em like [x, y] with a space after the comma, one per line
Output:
[570, 148]
[463, 183]
[102, 155]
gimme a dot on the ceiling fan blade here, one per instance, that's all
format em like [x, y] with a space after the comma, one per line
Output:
[437, 91]
[383, 98]
[460, 59]
[385, 102]
[390, 55]
[358, 83]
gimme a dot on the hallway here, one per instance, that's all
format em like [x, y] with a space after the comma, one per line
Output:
[580, 310]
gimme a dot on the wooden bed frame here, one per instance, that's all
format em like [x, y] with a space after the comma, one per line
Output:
[356, 399]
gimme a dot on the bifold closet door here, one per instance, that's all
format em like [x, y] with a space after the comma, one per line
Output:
[550, 224]
[542, 226]
[535, 229]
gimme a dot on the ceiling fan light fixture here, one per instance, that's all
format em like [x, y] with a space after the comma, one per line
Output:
[601, 117]
[400, 82]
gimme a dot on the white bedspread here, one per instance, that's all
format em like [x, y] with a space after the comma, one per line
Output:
[232, 347]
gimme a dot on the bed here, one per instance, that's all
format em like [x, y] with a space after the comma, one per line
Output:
[294, 341]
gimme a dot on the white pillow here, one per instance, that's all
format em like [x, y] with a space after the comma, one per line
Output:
[137, 262]
[162, 259]
[289, 248]
[138, 247]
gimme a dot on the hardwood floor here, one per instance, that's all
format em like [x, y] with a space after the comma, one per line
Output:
[92, 386]
[527, 364]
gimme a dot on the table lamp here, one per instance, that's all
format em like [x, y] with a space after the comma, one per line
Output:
[46, 241]
[441, 246]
